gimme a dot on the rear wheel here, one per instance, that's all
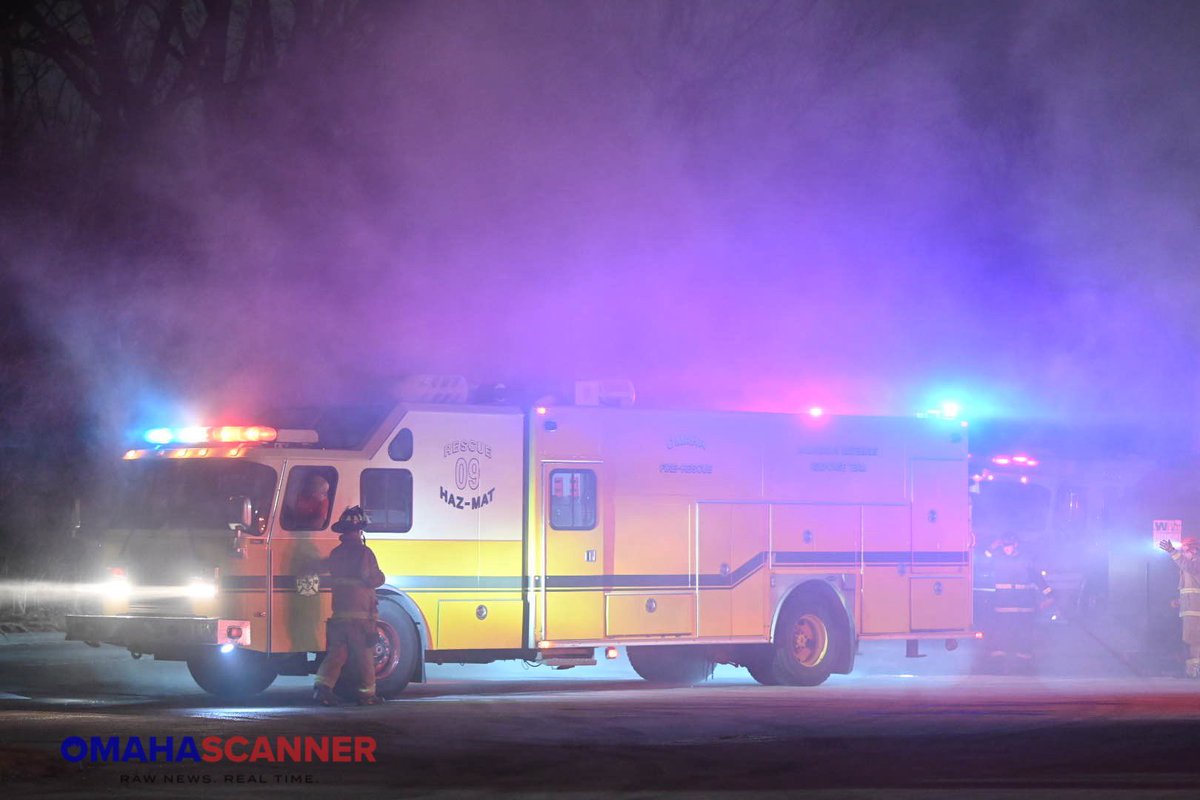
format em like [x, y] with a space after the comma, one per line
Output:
[238, 673]
[763, 670]
[678, 665]
[805, 642]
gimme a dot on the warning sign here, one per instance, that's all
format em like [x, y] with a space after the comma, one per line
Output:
[1168, 529]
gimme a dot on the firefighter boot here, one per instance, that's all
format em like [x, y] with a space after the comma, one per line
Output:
[370, 700]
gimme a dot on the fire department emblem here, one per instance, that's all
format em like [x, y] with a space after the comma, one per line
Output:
[308, 585]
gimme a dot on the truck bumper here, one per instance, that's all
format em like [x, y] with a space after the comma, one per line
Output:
[157, 634]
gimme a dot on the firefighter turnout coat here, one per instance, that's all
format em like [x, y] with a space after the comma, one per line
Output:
[354, 575]
[1189, 596]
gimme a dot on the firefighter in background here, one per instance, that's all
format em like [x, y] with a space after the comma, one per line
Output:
[1019, 592]
[350, 633]
[1187, 558]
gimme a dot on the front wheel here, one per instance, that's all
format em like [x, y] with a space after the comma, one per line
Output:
[675, 664]
[236, 674]
[804, 643]
[397, 650]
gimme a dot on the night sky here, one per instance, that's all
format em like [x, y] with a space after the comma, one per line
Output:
[864, 206]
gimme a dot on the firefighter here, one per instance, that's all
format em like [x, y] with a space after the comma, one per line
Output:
[1187, 558]
[350, 632]
[1020, 592]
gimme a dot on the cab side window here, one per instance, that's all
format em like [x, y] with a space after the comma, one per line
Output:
[308, 498]
[401, 448]
[572, 499]
[387, 498]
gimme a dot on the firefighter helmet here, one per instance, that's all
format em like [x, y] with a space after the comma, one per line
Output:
[353, 520]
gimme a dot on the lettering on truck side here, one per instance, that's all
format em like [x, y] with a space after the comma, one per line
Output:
[460, 501]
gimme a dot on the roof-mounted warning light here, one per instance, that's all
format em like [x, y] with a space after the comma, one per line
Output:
[251, 433]
[432, 389]
[946, 409]
[618, 393]
[1019, 460]
[228, 434]
[204, 435]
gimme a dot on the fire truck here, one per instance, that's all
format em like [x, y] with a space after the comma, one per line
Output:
[1090, 506]
[774, 542]
[1073, 511]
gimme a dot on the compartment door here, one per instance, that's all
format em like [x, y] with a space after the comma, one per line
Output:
[886, 569]
[733, 575]
[941, 583]
[940, 533]
[940, 604]
[575, 518]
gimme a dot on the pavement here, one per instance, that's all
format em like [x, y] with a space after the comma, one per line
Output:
[1083, 724]
[1145, 653]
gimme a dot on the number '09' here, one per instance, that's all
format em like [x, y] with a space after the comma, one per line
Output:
[466, 473]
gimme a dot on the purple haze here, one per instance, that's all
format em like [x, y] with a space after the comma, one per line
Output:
[737, 205]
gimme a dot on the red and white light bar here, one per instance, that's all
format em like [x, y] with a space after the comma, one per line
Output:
[202, 435]
[228, 434]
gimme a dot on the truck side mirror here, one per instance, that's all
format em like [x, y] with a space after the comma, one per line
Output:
[239, 514]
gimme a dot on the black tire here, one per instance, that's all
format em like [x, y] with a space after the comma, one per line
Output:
[763, 671]
[673, 664]
[237, 674]
[805, 643]
[397, 652]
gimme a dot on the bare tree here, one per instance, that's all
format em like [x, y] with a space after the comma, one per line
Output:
[110, 72]
[698, 58]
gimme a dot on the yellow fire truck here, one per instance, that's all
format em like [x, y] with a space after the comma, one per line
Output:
[769, 541]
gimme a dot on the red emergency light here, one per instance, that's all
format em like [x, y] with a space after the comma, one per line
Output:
[204, 435]
[249, 433]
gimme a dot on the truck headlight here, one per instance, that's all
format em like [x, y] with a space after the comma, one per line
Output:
[200, 589]
[117, 587]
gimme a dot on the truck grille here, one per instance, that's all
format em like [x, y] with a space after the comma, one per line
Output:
[170, 607]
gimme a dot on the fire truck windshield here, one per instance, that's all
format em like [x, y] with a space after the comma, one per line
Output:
[1007, 507]
[179, 493]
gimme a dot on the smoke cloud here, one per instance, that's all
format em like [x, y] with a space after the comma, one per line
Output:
[735, 205]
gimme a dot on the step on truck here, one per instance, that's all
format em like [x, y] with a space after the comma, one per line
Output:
[774, 542]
